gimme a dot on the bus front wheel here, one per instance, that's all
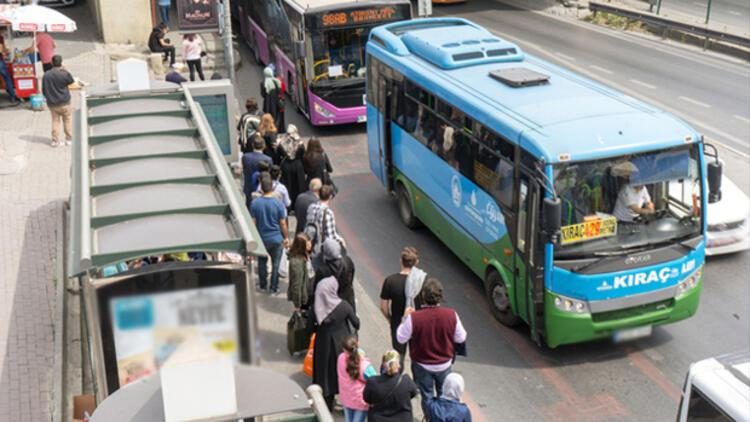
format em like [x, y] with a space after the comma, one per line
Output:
[497, 292]
[404, 207]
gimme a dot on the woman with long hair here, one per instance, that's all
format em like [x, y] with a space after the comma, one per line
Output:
[192, 51]
[268, 131]
[300, 270]
[353, 370]
[316, 162]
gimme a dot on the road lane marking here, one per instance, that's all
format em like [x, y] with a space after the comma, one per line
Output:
[692, 101]
[732, 12]
[740, 143]
[744, 119]
[601, 69]
[697, 3]
[641, 83]
[565, 57]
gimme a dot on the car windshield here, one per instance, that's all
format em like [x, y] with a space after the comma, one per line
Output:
[628, 203]
[339, 53]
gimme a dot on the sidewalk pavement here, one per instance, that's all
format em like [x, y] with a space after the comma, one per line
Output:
[34, 183]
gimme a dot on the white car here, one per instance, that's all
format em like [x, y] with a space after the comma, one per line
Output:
[728, 221]
[717, 389]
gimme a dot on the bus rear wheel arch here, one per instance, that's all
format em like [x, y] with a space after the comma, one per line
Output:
[405, 210]
[498, 296]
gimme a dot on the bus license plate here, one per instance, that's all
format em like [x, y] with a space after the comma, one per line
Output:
[631, 333]
[362, 118]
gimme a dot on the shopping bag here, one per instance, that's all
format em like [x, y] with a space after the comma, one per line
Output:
[307, 365]
[298, 332]
[284, 264]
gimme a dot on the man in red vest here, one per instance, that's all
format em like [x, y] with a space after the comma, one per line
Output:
[432, 333]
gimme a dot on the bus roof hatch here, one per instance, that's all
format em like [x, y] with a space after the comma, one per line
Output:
[519, 77]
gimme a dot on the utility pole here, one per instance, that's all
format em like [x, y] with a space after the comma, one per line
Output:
[708, 11]
[225, 30]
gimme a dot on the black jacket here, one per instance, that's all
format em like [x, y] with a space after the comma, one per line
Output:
[389, 400]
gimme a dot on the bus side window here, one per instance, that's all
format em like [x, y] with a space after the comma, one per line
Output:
[373, 74]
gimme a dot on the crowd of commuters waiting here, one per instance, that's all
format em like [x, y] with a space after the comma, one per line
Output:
[276, 167]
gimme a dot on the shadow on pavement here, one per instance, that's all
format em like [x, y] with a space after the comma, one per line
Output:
[26, 379]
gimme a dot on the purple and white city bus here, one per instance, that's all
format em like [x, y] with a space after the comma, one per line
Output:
[318, 48]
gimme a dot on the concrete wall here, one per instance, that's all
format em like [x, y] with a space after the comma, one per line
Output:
[123, 21]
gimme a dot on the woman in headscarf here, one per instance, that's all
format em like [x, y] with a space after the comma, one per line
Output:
[336, 264]
[389, 394]
[290, 151]
[448, 407]
[270, 88]
[333, 317]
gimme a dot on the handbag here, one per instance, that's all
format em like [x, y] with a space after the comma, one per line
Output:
[298, 331]
[307, 364]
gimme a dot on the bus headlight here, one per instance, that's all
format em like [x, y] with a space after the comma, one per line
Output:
[323, 111]
[567, 304]
[689, 282]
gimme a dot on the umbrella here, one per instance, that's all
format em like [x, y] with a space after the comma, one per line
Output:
[35, 18]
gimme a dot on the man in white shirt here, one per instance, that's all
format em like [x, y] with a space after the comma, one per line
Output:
[633, 201]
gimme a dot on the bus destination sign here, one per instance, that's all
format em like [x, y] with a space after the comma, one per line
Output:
[360, 16]
[589, 229]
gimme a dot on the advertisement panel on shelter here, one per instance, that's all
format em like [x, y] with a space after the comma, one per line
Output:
[197, 14]
[148, 328]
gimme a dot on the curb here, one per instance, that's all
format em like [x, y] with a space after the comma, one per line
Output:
[57, 404]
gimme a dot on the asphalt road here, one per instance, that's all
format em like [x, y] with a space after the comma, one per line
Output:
[508, 376]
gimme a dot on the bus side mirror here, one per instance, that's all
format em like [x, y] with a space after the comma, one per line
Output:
[714, 181]
[551, 217]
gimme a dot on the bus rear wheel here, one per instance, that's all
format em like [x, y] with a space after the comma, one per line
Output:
[497, 293]
[404, 207]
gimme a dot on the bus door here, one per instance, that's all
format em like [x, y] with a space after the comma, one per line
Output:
[387, 94]
[526, 243]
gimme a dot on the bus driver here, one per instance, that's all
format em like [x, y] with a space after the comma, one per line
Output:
[633, 200]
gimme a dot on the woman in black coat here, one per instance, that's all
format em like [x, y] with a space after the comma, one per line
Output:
[339, 266]
[333, 316]
[290, 151]
[316, 162]
[389, 395]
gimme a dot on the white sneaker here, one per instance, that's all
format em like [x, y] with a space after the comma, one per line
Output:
[68, 142]
[55, 144]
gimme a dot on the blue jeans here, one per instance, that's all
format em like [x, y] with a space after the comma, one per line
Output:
[8, 82]
[274, 250]
[426, 380]
[164, 13]
[351, 415]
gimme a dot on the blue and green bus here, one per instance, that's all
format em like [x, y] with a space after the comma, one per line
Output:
[580, 208]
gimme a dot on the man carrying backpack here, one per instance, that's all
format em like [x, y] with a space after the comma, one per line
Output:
[321, 223]
[248, 125]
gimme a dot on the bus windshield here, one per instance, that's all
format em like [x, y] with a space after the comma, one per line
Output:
[628, 203]
[339, 53]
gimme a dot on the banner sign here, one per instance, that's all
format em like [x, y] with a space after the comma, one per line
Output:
[197, 14]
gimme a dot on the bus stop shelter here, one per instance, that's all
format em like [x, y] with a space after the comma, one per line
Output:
[159, 239]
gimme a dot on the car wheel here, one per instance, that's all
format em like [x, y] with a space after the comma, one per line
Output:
[497, 293]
